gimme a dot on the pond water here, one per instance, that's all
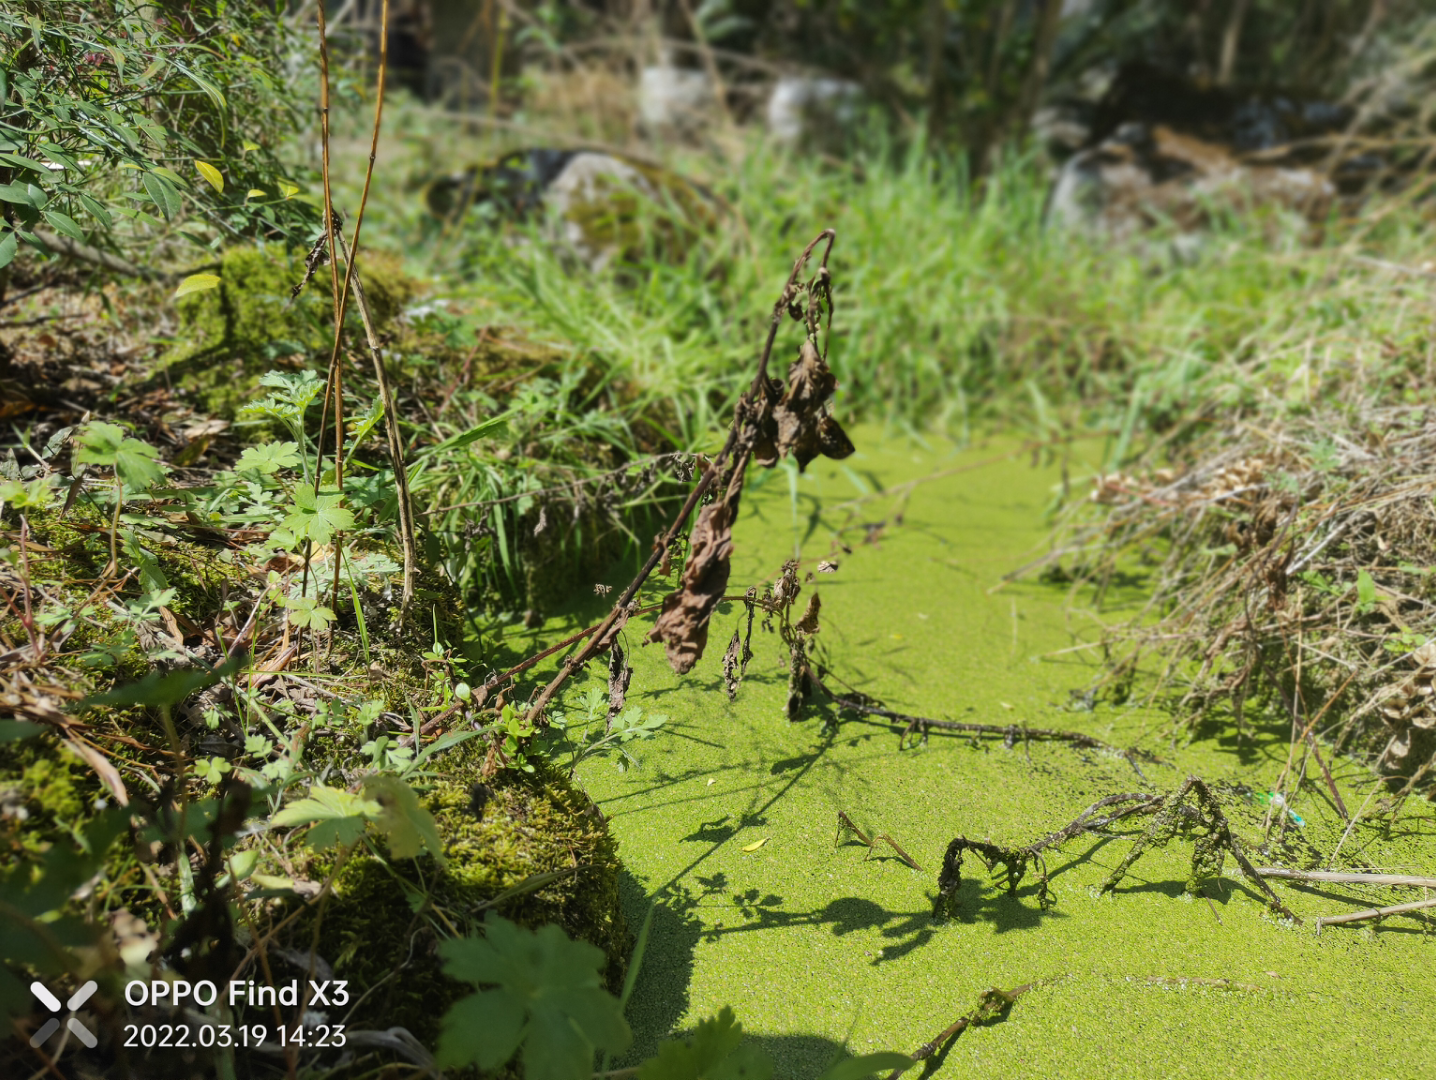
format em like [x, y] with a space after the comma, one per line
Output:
[731, 819]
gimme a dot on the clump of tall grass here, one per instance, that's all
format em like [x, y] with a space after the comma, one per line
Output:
[967, 309]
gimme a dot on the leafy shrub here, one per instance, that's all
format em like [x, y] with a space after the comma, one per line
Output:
[120, 120]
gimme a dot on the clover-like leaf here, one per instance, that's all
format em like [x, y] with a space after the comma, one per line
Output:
[212, 769]
[714, 1052]
[335, 816]
[408, 827]
[547, 1002]
[317, 517]
[307, 611]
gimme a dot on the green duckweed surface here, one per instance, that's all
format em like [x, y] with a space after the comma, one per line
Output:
[819, 949]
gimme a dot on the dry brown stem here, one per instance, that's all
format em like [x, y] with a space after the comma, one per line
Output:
[1375, 913]
[1293, 573]
[1343, 877]
[738, 446]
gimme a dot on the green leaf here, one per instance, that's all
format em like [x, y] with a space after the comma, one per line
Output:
[9, 244]
[162, 194]
[856, 1068]
[317, 517]
[58, 156]
[98, 443]
[360, 429]
[107, 445]
[169, 174]
[65, 225]
[18, 194]
[714, 1052]
[212, 769]
[268, 458]
[335, 816]
[549, 980]
[482, 1029]
[37, 494]
[491, 426]
[211, 91]
[405, 823]
[306, 611]
[1365, 591]
[136, 465]
[197, 283]
[25, 163]
[97, 210]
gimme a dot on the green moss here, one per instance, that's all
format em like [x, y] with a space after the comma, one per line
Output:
[384, 914]
[56, 789]
[231, 335]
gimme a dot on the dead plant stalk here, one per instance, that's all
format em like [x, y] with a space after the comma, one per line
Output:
[741, 439]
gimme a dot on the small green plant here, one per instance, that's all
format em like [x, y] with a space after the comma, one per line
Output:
[715, 1051]
[337, 817]
[575, 737]
[1365, 593]
[545, 1002]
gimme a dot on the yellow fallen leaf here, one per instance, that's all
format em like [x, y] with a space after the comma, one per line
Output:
[756, 844]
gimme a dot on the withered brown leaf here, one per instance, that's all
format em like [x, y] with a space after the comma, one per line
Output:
[731, 676]
[620, 674]
[808, 624]
[803, 428]
[682, 626]
[786, 588]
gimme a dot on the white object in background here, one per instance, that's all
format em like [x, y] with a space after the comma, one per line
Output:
[799, 104]
[673, 99]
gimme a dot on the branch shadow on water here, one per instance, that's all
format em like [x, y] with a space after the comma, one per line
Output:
[661, 994]
[906, 930]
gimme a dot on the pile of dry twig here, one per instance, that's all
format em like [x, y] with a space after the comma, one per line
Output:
[1291, 580]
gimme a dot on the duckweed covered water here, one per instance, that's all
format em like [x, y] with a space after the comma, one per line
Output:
[732, 820]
